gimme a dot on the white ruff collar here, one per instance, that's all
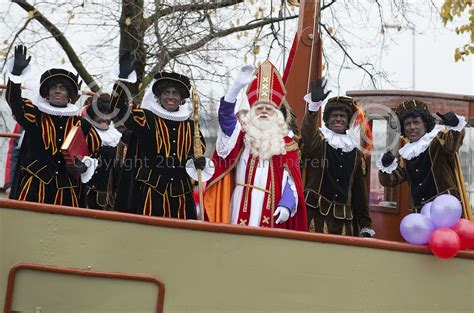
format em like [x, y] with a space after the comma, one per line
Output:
[413, 149]
[45, 107]
[149, 103]
[109, 137]
[337, 141]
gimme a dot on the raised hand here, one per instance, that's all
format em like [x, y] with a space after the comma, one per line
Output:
[387, 158]
[449, 119]
[317, 90]
[245, 76]
[126, 65]
[20, 62]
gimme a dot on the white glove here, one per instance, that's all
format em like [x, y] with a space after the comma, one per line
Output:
[367, 232]
[283, 214]
[244, 77]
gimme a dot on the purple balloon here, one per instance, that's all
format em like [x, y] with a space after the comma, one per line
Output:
[426, 209]
[416, 228]
[446, 210]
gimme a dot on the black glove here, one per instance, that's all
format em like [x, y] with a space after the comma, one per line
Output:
[108, 152]
[317, 90]
[200, 163]
[77, 169]
[387, 158]
[126, 65]
[20, 62]
[449, 119]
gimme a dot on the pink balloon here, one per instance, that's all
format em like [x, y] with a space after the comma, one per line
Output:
[465, 231]
[444, 243]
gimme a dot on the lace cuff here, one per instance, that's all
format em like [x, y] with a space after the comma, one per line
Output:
[461, 124]
[115, 71]
[206, 173]
[225, 144]
[17, 79]
[386, 169]
[312, 106]
[91, 167]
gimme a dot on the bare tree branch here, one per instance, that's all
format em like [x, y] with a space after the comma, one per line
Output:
[187, 8]
[225, 32]
[324, 7]
[10, 46]
[208, 38]
[346, 53]
[63, 42]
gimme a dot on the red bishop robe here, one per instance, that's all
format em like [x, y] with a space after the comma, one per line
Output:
[218, 202]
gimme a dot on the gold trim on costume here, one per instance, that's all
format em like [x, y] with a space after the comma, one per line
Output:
[239, 154]
[62, 74]
[30, 117]
[249, 180]
[174, 79]
[254, 187]
[25, 189]
[291, 146]
[272, 193]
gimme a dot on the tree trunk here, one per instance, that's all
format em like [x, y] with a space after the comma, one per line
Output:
[132, 36]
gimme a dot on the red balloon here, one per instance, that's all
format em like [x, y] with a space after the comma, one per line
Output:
[465, 230]
[444, 243]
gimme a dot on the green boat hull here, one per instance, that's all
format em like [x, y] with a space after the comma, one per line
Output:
[59, 259]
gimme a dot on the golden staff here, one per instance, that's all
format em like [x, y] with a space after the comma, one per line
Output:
[198, 147]
[466, 205]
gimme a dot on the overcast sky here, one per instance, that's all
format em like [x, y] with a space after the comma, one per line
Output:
[435, 69]
[433, 57]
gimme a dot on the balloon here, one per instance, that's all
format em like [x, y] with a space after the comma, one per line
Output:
[465, 231]
[445, 211]
[444, 243]
[416, 228]
[426, 209]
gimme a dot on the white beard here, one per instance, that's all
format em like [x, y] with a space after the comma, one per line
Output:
[264, 138]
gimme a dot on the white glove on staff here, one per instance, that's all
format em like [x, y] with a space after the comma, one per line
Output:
[244, 77]
[283, 214]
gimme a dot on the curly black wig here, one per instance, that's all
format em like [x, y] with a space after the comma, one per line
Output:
[337, 106]
[427, 118]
